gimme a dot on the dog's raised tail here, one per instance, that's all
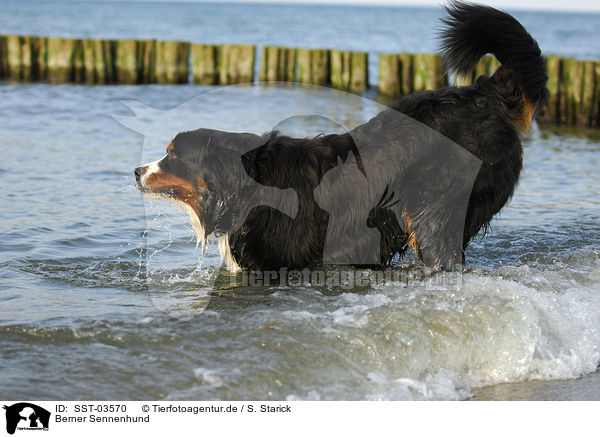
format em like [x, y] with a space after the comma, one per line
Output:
[472, 31]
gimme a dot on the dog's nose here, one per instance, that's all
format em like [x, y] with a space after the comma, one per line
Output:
[138, 173]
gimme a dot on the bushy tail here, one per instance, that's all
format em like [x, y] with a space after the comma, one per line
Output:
[473, 31]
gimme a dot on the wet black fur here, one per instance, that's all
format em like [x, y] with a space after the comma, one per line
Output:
[480, 118]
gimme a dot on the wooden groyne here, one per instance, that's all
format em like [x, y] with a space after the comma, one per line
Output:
[63, 60]
[222, 65]
[574, 85]
[406, 73]
[349, 70]
[340, 69]
[574, 92]
[278, 64]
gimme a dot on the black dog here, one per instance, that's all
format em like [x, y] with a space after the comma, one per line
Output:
[411, 176]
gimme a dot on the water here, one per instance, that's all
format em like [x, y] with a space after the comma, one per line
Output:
[98, 287]
[361, 28]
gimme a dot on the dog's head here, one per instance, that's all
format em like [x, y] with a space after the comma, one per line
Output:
[203, 172]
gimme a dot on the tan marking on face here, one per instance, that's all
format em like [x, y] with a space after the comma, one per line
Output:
[182, 190]
[201, 184]
[170, 148]
[412, 240]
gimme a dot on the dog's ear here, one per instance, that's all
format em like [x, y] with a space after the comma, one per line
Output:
[258, 161]
[249, 161]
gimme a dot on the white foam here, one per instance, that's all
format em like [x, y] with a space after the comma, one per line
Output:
[508, 324]
[208, 377]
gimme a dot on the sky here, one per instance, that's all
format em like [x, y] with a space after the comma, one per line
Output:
[557, 5]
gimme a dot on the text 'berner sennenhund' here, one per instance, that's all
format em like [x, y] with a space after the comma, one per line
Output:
[427, 174]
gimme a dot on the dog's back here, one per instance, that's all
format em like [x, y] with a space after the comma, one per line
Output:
[405, 179]
[488, 117]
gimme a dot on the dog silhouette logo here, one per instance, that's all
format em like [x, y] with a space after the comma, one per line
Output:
[26, 416]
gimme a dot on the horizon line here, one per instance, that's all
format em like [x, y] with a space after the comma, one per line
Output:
[512, 5]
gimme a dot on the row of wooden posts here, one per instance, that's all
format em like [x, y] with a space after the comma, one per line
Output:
[60, 60]
[574, 85]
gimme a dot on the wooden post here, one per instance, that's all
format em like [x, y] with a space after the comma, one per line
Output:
[551, 110]
[25, 55]
[349, 70]
[359, 67]
[89, 60]
[320, 66]
[4, 72]
[389, 75]
[494, 64]
[269, 64]
[596, 103]
[109, 53]
[146, 61]
[60, 59]
[93, 61]
[204, 64]
[428, 72]
[463, 80]
[483, 67]
[13, 48]
[236, 63]
[562, 90]
[172, 61]
[313, 66]
[406, 69]
[39, 54]
[304, 67]
[288, 63]
[182, 61]
[126, 61]
[575, 91]
[340, 69]
[486, 66]
[422, 75]
[104, 68]
[396, 74]
[586, 110]
[566, 83]
[162, 72]
[277, 64]
[79, 73]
